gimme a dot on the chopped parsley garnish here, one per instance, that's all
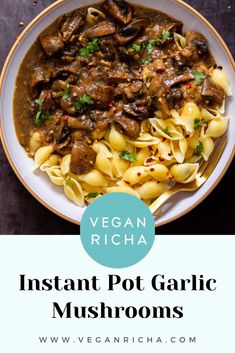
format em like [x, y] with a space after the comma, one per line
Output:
[128, 156]
[199, 77]
[164, 35]
[199, 149]
[166, 131]
[83, 101]
[149, 45]
[65, 93]
[135, 47]
[68, 181]
[199, 122]
[39, 103]
[145, 61]
[91, 195]
[91, 47]
[41, 115]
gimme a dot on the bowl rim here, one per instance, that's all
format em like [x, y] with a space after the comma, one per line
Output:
[2, 137]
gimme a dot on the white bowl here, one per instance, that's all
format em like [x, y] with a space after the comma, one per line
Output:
[37, 183]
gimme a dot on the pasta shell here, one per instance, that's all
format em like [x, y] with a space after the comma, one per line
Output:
[104, 164]
[73, 191]
[117, 140]
[151, 189]
[94, 15]
[119, 166]
[164, 152]
[208, 146]
[89, 188]
[189, 113]
[159, 172]
[179, 149]
[184, 173]
[144, 140]
[166, 129]
[65, 164]
[55, 175]
[217, 127]
[220, 77]
[141, 157]
[210, 114]
[94, 178]
[194, 140]
[135, 175]
[42, 155]
[53, 160]
[180, 41]
[103, 147]
[35, 142]
[123, 188]
[189, 153]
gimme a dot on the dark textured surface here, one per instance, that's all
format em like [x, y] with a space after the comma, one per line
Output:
[20, 213]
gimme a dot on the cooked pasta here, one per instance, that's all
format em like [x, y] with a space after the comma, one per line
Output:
[120, 99]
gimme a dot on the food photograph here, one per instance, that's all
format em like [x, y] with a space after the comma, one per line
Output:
[117, 96]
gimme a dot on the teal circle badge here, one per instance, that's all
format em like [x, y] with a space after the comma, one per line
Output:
[117, 230]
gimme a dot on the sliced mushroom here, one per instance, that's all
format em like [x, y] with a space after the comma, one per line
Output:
[46, 98]
[71, 68]
[138, 112]
[102, 29]
[164, 108]
[81, 123]
[132, 30]
[72, 24]
[64, 135]
[179, 79]
[68, 105]
[212, 92]
[51, 44]
[157, 87]
[82, 158]
[120, 10]
[100, 93]
[129, 127]
[200, 42]
[41, 75]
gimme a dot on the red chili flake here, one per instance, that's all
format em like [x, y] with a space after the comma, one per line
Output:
[111, 104]
[164, 139]
[154, 129]
[149, 160]
[220, 67]
[127, 182]
[215, 66]
[65, 117]
[150, 148]
[161, 159]
[188, 85]
[151, 169]
[187, 136]
[139, 174]
[169, 154]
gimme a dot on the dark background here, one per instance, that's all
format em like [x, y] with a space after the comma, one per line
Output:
[20, 213]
